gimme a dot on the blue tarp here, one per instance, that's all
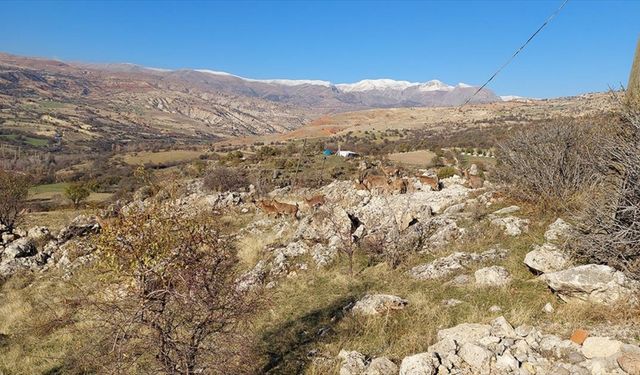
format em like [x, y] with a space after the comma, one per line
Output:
[327, 152]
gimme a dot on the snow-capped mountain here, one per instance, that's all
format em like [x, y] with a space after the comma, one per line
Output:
[319, 94]
[368, 93]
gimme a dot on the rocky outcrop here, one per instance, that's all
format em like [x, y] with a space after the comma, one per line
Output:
[594, 283]
[499, 348]
[376, 304]
[446, 266]
[36, 249]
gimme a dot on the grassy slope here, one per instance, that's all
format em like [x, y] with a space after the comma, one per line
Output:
[312, 302]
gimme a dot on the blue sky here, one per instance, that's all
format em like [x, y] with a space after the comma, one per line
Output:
[588, 47]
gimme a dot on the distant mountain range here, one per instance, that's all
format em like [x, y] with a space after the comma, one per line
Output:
[127, 102]
[324, 95]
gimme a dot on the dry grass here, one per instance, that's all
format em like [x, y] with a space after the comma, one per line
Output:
[421, 158]
[54, 220]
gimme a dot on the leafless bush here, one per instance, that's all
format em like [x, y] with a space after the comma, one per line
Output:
[169, 302]
[225, 179]
[608, 229]
[551, 163]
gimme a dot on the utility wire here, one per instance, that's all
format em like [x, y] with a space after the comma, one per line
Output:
[546, 22]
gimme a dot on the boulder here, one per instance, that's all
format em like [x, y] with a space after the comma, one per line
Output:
[594, 347]
[507, 362]
[22, 247]
[465, 332]
[477, 357]
[494, 276]
[39, 233]
[353, 363]
[80, 226]
[500, 327]
[545, 259]
[594, 283]
[381, 366]
[419, 364]
[375, 304]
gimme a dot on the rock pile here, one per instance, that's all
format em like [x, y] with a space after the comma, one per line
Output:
[499, 348]
[37, 249]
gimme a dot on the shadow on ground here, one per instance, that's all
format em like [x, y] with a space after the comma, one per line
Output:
[290, 345]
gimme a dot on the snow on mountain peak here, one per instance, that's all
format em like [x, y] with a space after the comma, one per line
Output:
[375, 84]
[390, 84]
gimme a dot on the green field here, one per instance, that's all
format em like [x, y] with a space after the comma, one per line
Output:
[49, 191]
[36, 142]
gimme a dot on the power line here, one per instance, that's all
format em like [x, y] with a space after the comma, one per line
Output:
[546, 22]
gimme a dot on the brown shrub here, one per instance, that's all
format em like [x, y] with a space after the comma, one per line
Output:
[169, 300]
[551, 163]
[225, 179]
[608, 230]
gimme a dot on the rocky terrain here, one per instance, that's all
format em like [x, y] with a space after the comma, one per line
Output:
[433, 232]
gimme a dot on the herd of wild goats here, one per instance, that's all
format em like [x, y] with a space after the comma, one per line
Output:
[390, 182]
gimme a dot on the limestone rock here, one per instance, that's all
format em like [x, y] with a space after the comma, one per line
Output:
[475, 356]
[557, 231]
[545, 259]
[381, 366]
[594, 283]
[465, 332]
[375, 304]
[594, 347]
[419, 364]
[494, 276]
[450, 264]
[500, 327]
[353, 363]
[20, 248]
[512, 226]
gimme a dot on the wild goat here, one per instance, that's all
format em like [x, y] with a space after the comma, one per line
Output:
[432, 181]
[316, 201]
[278, 208]
[267, 207]
[379, 183]
[286, 208]
[399, 185]
[390, 171]
[473, 181]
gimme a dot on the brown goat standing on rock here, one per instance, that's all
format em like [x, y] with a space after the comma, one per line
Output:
[316, 201]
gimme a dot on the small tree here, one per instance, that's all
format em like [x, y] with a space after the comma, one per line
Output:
[172, 304]
[14, 188]
[77, 193]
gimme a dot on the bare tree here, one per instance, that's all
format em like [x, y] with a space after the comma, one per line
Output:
[14, 188]
[170, 301]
